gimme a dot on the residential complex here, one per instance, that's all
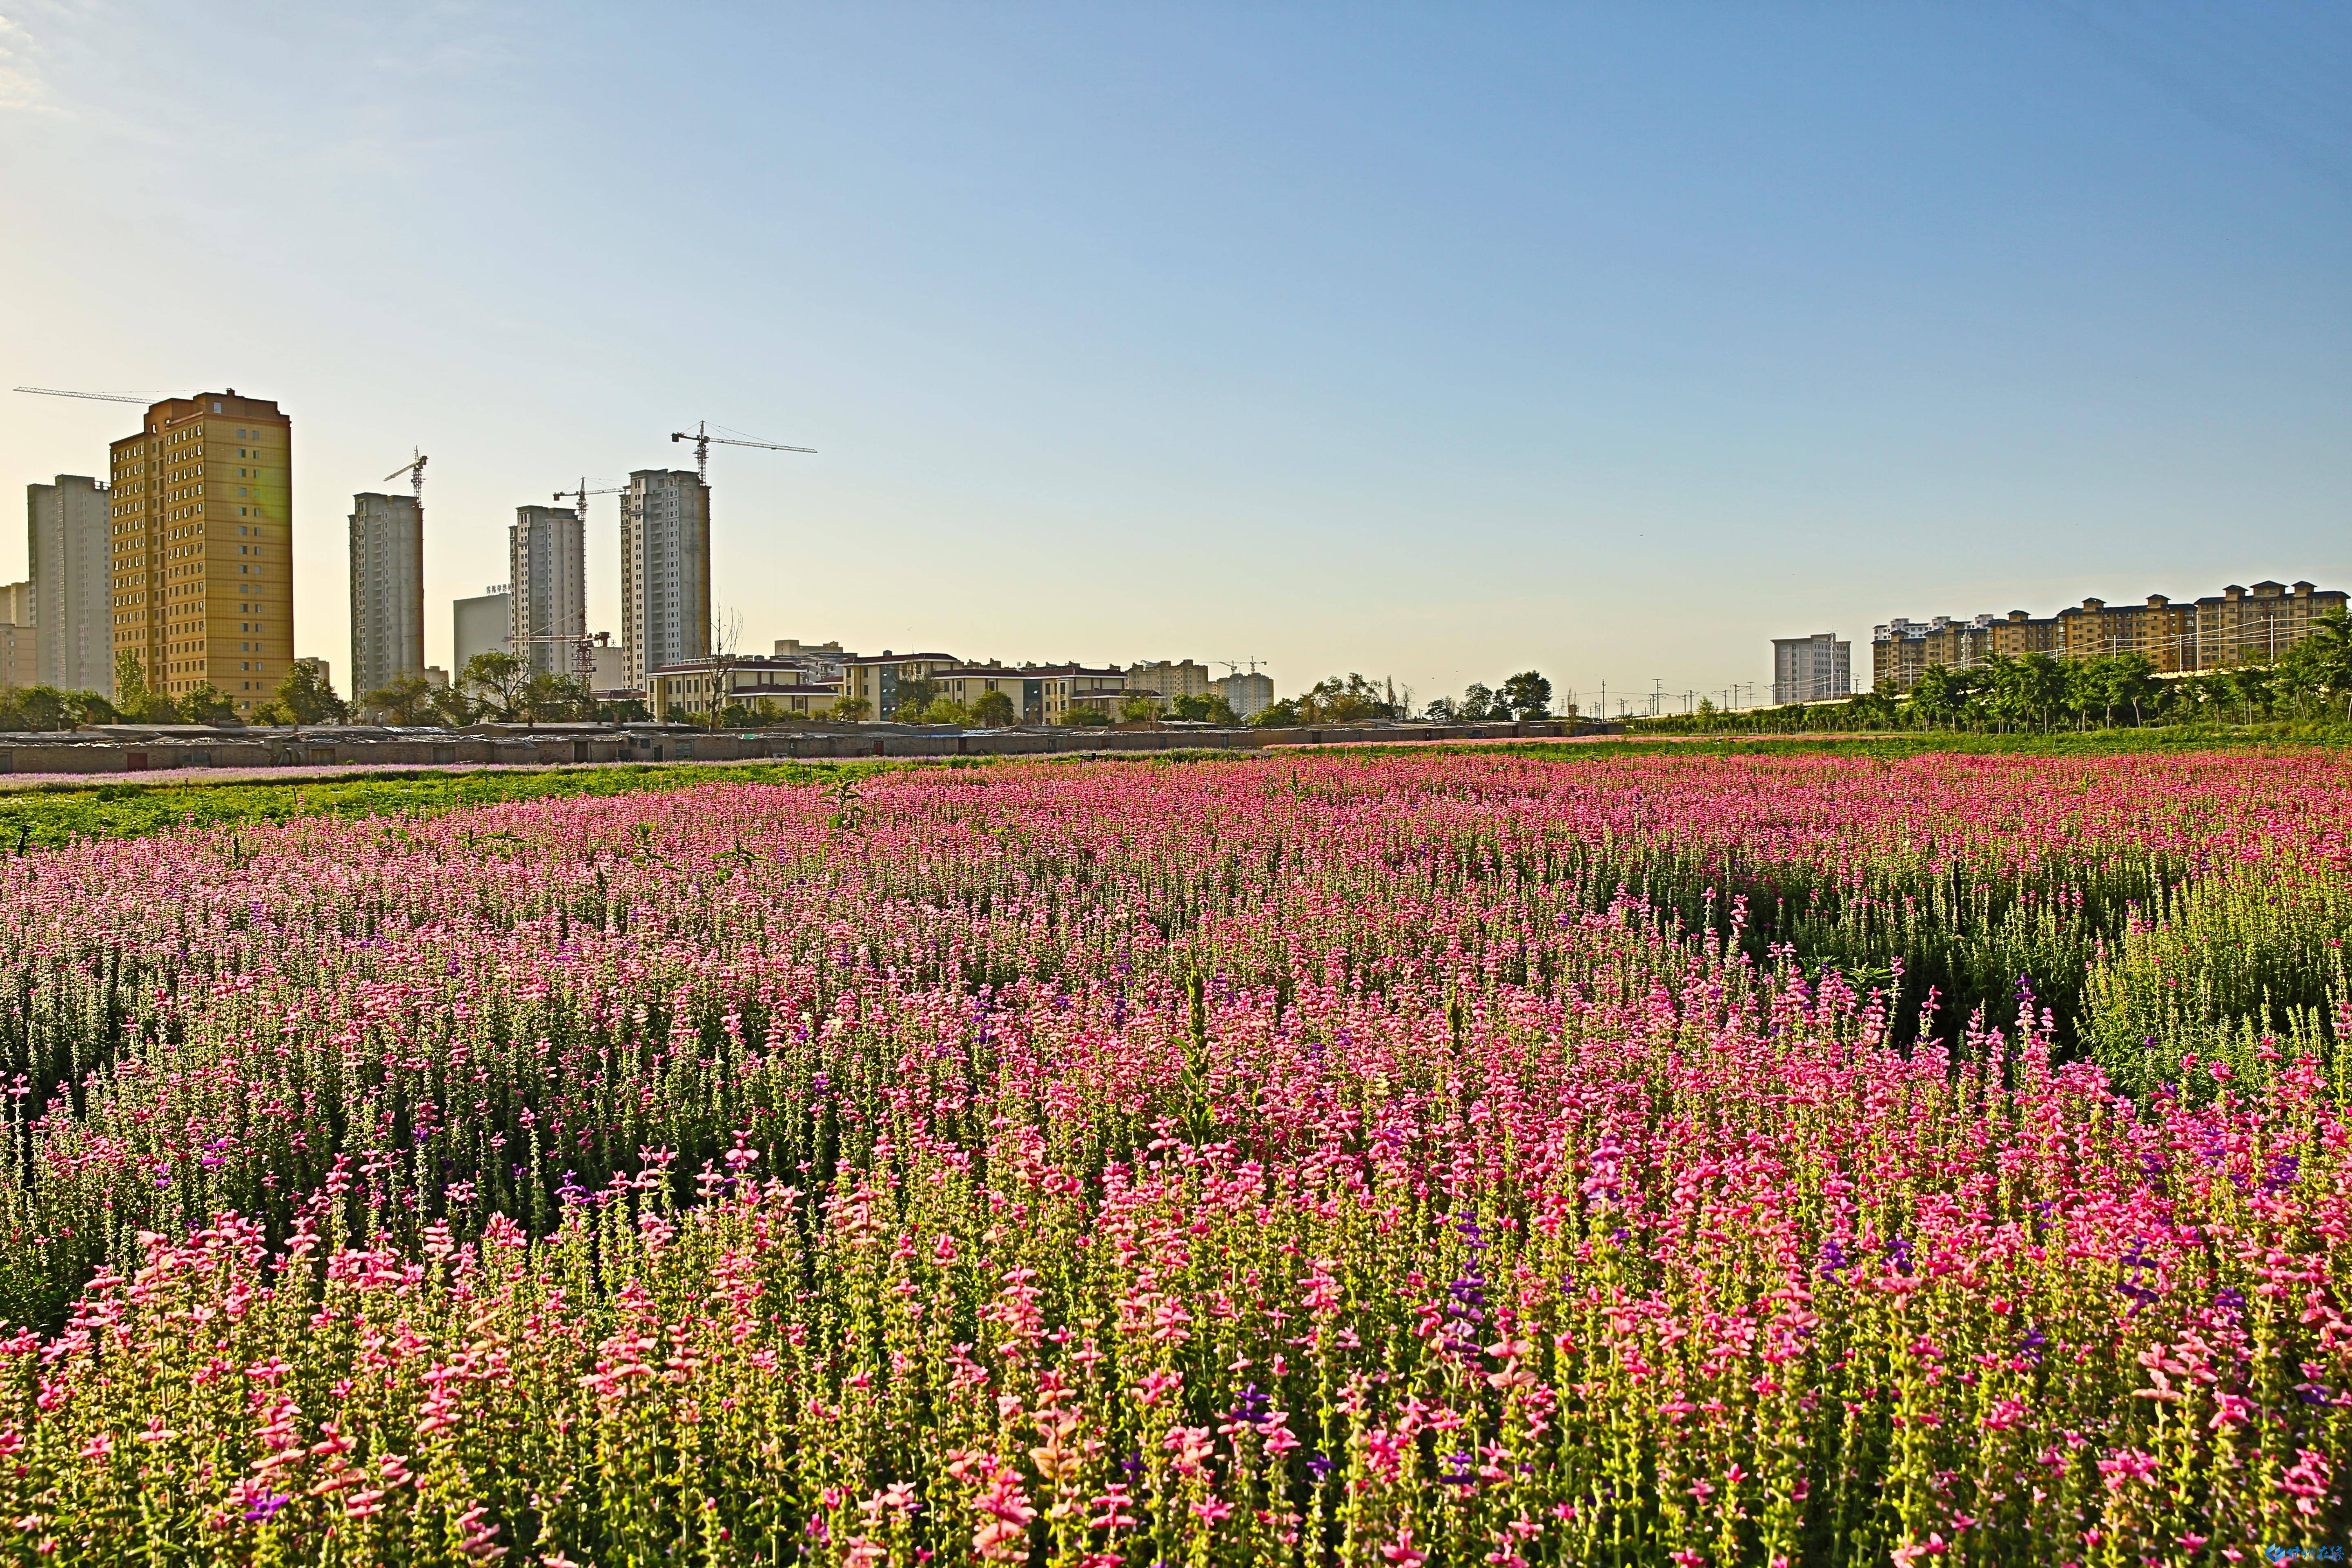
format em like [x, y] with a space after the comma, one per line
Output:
[481, 623]
[1810, 669]
[66, 548]
[665, 572]
[203, 586]
[2237, 626]
[387, 586]
[548, 610]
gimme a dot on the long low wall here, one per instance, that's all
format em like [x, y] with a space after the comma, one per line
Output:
[63, 756]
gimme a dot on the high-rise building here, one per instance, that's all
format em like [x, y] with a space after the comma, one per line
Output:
[1812, 669]
[203, 584]
[73, 598]
[19, 647]
[1170, 679]
[547, 552]
[665, 571]
[1244, 692]
[387, 590]
[481, 625]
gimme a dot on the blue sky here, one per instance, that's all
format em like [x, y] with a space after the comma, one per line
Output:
[1432, 341]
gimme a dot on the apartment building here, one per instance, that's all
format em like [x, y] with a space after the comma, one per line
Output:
[1244, 692]
[665, 571]
[2241, 626]
[2236, 626]
[69, 548]
[19, 638]
[1185, 679]
[482, 623]
[388, 588]
[547, 606]
[1811, 669]
[200, 584]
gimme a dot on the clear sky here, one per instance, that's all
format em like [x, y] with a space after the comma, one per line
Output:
[1435, 341]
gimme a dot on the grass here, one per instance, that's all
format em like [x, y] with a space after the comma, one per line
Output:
[53, 816]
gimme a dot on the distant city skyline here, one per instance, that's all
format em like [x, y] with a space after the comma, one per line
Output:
[1429, 347]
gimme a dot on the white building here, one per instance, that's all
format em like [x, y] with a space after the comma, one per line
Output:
[73, 605]
[1244, 693]
[665, 572]
[387, 591]
[547, 558]
[1812, 669]
[481, 625]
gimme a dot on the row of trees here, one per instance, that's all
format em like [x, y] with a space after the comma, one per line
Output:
[1527, 695]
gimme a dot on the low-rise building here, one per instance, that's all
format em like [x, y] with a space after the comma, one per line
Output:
[771, 687]
[876, 680]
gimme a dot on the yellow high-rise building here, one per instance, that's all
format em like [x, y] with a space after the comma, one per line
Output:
[202, 537]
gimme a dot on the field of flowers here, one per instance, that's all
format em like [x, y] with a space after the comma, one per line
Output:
[1404, 1160]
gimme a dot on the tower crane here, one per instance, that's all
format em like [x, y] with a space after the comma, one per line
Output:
[579, 497]
[703, 441]
[93, 397]
[583, 647]
[415, 472]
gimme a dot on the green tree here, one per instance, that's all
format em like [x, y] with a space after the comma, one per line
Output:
[1138, 710]
[1209, 709]
[2320, 663]
[499, 678]
[911, 698]
[39, 707]
[941, 709]
[550, 698]
[449, 705]
[403, 699]
[1281, 715]
[994, 710]
[1877, 708]
[1527, 695]
[134, 699]
[2132, 682]
[1477, 704]
[850, 710]
[1937, 699]
[1337, 700]
[208, 704]
[305, 696]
